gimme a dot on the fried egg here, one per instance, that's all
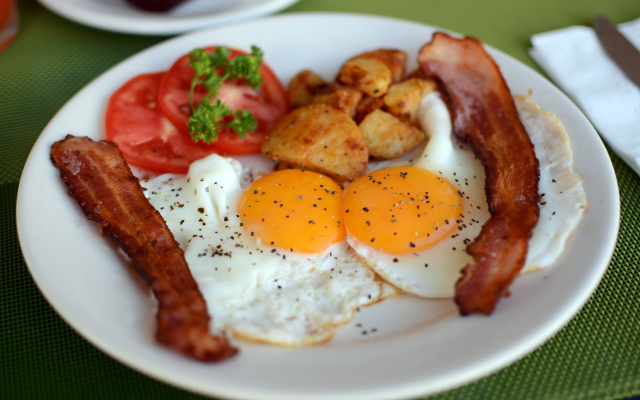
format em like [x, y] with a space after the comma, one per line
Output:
[269, 256]
[411, 220]
[562, 197]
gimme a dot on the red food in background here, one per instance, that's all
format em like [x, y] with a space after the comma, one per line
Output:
[155, 5]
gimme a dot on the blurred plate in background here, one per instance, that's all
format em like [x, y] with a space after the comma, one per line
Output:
[120, 16]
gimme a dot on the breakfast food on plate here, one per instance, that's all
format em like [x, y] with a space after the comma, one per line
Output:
[398, 237]
[359, 193]
[560, 188]
[322, 138]
[373, 72]
[369, 89]
[98, 178]
[149, 117]
[485, 116]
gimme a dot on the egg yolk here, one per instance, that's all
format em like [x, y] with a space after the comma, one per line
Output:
[401, 210]
[294, 210]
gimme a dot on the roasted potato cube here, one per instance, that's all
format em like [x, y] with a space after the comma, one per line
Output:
[388, 137]
[417, 73]
[366, 105]
[403, 98]
[344, 98]
[321, 138]
[302, 88]
[368, 75]
[396, 60]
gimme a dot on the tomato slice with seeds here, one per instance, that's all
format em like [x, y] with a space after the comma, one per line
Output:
[145, 136]
[268, 104]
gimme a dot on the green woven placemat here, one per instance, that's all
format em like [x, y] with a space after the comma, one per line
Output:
[596, 356]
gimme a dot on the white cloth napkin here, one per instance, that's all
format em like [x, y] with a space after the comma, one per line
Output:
[577, 63]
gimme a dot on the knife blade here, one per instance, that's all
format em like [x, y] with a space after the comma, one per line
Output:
[620, 50]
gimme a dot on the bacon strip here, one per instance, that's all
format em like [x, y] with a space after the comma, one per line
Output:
[484, 116]
[99, 179]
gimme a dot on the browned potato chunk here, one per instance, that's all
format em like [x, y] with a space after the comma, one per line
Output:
[387, 137]
[417, 73]
[366, 105]
[344, 98]
[403, 98]
[394, 59]
[302, 88]
[320, 138]
[368, 75]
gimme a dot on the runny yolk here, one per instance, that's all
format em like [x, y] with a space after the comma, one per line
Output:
[401, 209]
[294, 210]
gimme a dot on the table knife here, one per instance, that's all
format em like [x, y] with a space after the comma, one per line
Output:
[619, 49]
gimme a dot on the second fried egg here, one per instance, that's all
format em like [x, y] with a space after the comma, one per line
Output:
[412, 220]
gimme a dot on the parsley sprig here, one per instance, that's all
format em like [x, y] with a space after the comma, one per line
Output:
[212, 69]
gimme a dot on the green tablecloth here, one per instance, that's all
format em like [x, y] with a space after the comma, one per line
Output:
[597, 355]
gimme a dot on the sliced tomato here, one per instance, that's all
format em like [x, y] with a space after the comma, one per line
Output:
[268, 104]
[145, 136]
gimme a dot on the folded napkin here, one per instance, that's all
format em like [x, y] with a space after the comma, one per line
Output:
[577, 63]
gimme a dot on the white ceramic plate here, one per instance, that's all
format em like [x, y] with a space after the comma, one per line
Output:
[418, 346]
[120, 16]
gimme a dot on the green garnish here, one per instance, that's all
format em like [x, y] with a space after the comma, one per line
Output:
[211, 70]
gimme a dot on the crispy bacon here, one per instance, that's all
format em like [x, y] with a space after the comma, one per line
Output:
[484, 116]
[99, 179]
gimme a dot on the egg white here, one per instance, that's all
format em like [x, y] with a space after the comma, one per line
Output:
[255, 291]
[563, 200]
